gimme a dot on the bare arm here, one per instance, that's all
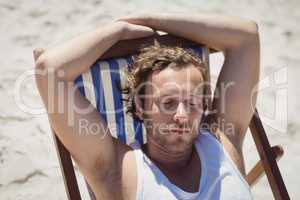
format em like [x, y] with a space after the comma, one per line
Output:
[238, 38]
[76, 56]
[95, 151]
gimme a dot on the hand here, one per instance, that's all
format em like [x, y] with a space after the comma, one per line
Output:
[140, 19]
[133, 31]
[156, 21]
[153, 20]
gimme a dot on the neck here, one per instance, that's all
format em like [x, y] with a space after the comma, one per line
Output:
[168, 160]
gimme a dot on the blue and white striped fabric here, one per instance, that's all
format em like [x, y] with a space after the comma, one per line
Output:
[100, 86]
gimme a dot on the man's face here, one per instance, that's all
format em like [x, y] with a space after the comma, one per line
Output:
[173, 107]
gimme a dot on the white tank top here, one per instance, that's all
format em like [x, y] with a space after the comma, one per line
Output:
[220, 179]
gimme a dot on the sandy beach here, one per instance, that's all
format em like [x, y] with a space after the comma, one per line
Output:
[29, 168]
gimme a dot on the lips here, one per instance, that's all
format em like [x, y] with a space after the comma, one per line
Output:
[180, 131]
[175, 130]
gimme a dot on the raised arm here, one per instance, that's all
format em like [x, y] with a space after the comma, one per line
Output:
[235, 97]
[84, 133]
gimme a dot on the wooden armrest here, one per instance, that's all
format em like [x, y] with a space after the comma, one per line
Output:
[258, 170]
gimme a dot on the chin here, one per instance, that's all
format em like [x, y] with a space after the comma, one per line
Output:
[179, 143]
[175, 142]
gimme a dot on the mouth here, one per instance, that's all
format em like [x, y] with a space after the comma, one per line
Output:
[180, 131]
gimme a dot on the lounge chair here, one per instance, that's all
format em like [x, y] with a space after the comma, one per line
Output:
[100, 87]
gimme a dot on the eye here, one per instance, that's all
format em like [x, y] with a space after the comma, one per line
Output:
[168, 104]
[191, 103]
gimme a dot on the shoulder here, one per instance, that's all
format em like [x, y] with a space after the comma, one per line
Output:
[128, 169]
[236, 154]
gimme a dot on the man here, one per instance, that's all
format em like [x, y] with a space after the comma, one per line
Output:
[179, 161]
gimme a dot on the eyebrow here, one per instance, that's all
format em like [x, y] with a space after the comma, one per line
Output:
[170, 92]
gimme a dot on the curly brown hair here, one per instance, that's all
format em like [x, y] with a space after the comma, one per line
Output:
[157, 57]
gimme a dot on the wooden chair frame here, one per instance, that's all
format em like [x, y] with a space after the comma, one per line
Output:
[268, 155]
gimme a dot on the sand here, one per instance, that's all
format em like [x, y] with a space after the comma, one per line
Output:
[29, 168]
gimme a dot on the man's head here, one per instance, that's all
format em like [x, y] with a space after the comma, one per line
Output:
[167, 90]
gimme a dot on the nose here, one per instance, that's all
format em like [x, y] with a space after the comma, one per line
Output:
[181, 116]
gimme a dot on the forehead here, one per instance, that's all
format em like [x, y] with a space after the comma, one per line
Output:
[173, 81]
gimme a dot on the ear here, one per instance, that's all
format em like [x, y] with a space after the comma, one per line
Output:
[139, 111]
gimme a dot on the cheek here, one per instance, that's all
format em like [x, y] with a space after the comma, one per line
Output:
[195, 118]
[154, 118]
[196, 115]
[150, 107]
[156, 115]
[155, 109]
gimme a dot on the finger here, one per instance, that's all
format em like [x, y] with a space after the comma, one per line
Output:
[137, 27]
[137, 31]
[134, 19]
[131, 21]
[141, 30]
